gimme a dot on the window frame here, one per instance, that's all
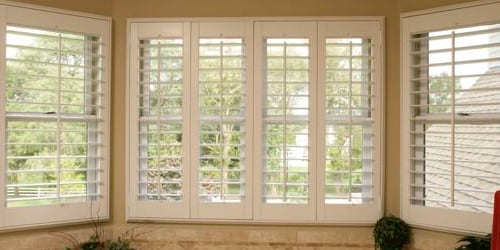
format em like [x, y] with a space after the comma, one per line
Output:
[154, 210]
[27, 15]
[476, 13]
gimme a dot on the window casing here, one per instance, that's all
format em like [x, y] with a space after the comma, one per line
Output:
[248, 126]
[450, 111]
[54, 116]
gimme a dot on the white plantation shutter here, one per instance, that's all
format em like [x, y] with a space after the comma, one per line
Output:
[191, 104]
[56, 118]
[350, 105]
[228, 120]
[161, 106]
[222, 132]
[53, 113]
[453, 85]
[288, 93]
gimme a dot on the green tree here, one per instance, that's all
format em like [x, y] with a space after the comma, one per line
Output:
[440, 93]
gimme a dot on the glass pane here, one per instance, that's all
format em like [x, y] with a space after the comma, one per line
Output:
[49, 75]
[475, 167]
[41, 168]
[222, 118]
[458, 66]
[50, 72]
[161, 76]
[160, 109]
[349, 135]
[286, 165]
[160, 172]
[455, 88]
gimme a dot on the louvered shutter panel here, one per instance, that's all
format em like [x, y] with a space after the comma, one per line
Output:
[221, 134]
[350, 131]
[54, 116]
[159, 105]
[285, 111]
[455, 118]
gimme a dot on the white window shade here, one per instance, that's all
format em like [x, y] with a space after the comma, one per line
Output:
[452, 130]
[56, 119]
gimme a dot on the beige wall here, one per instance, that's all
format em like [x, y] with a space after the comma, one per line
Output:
[101, 7]
[120, 10]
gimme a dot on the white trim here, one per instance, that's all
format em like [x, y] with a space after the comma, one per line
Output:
[3, 122]
[447, 8]
[467, 15]
[54, 10]
[254, 19]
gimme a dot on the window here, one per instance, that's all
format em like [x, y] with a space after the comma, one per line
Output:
[54, 117]
[451, 110]
[226, 120]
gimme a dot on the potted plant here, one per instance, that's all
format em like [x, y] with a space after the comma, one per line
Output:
[475, 243]
[97, 241]
[391, 233]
